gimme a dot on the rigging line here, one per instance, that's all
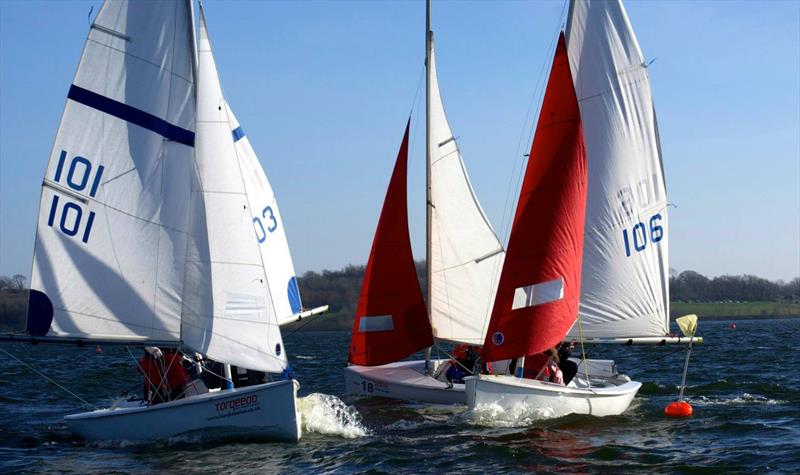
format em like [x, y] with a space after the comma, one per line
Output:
[308, 320]
[141, 370]
[84, 401]
[413, 142]
[534, 107]
[165, 371]
[221, 377]
[416, 92]
[453, 358]
[583, 353]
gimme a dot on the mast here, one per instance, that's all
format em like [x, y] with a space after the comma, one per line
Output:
[428, 204]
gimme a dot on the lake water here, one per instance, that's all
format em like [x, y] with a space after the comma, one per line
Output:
[744, 384]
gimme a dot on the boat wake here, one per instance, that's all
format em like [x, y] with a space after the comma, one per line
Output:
[519, 415]
[329, 415]
[744, 398]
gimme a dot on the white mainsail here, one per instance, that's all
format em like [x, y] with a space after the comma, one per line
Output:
[269, 227]
[228, 313]
[625, 283]
[466, 255]
[113, 216]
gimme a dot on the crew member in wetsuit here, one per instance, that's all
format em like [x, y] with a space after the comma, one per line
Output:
[568, 368]
[164, 377]
[462, 364]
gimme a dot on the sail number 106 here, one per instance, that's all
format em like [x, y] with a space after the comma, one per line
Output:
[638, 237]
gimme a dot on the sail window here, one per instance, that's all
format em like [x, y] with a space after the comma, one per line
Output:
[245, 307]
[538, 294]
[375, 323]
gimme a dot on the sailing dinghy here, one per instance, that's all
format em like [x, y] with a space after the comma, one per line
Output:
[157, 227]
[624, 290]
[463, 254]
[537, 297]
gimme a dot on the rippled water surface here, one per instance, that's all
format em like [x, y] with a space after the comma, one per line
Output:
[743, 384]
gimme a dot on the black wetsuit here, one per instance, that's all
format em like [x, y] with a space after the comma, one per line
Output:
[568, 368]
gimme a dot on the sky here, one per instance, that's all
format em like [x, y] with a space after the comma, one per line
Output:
[324, 88]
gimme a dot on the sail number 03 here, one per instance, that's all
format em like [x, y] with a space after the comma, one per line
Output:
[638, 236]
[269, 216]
[79, 175]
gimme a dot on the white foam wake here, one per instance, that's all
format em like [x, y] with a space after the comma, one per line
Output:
[518, 415]
[745, 398]
[329, 415]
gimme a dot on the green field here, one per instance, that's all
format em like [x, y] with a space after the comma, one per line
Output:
[724, 310]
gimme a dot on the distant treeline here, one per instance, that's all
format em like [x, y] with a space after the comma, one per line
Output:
[340, 289]
[691, 286]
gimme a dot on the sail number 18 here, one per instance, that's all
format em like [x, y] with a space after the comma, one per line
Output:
[638, 235]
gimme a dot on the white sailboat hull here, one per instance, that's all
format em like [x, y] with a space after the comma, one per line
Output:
[606, 397]
[265, 411]
[404, 380]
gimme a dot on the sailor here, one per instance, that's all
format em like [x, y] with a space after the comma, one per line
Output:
[150, 367]
[174, 374]
[551, 371]
[164, 377]
[568, 368]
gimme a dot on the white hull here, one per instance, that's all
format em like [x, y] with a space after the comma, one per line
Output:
[404, 380]
[606, 397]
[265, 411]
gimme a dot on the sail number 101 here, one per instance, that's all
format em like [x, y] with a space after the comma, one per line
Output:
[80, 177]
[638, 235]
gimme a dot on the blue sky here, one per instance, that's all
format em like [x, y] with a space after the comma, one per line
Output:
[323, 89]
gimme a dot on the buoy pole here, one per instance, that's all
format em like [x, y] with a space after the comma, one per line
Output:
[681, 408]
[685, 369]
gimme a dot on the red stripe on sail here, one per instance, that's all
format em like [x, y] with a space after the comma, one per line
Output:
[391, 319]
[546, 242]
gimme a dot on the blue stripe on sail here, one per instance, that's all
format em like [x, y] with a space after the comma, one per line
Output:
[132, 115]
[238, 133]
[293, 292]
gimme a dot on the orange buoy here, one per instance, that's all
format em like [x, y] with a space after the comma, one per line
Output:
[678, 409]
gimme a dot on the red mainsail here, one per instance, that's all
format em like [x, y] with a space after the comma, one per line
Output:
[537, 297]
[391, 320]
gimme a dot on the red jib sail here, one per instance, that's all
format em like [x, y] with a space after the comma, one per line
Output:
[391, 320]
[537, 297]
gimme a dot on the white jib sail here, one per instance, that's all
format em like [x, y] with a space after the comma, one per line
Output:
[270, 230]
[625, 283]
[227, 313]
[113, 217]
[466, 255]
